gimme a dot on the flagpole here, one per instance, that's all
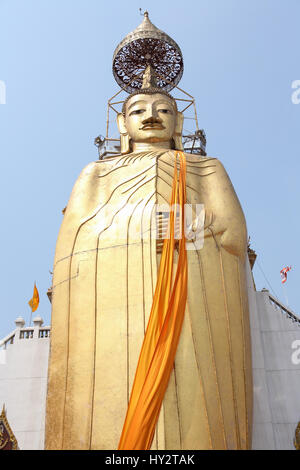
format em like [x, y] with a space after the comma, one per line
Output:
[30, 316]
[34, 301]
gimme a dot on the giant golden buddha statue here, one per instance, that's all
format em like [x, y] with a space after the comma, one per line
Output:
[105, 273]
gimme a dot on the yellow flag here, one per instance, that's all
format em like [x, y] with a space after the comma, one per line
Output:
[34, 302]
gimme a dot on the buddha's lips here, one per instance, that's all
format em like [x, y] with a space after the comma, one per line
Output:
[152, 126]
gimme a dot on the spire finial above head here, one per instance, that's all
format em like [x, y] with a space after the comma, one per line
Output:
[146, 13]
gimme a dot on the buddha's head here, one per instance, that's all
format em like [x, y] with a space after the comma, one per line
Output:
[150, 119]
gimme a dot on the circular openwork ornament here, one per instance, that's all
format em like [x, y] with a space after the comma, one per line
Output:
[147, 45]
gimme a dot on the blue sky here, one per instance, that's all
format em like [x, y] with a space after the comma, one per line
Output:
[240, 56]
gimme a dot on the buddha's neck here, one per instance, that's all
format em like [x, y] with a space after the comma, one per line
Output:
[146, 146]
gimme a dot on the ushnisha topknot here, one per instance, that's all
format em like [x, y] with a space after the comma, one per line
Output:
[149, 87]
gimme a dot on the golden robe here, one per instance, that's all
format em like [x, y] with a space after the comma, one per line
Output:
[103, 284]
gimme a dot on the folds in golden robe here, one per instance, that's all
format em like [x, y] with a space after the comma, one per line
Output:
[103, 287]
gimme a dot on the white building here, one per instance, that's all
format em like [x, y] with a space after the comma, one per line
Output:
[275, 333]
[275, 338]
[23, 381]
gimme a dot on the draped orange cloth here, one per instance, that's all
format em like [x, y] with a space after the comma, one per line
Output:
[163, 331]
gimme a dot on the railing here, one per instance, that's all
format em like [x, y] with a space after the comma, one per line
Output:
[25, 333]
[7, 340]
[44, 332]
[278, 305]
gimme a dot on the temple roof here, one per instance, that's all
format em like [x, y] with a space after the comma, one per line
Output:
[7, 438]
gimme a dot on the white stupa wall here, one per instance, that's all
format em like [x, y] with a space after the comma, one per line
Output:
[23, 382]
[275, 342]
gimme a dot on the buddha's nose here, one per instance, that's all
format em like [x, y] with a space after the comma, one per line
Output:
[152, 119]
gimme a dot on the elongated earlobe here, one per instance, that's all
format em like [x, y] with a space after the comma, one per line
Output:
[178, 132]
[124, 137]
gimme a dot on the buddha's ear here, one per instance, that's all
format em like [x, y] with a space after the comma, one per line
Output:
[121, 123]
[178, 131]
[125, 144]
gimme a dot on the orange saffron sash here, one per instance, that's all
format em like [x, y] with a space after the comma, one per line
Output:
[163, 331]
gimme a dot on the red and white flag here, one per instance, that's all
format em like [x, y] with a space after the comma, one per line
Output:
[284, 272]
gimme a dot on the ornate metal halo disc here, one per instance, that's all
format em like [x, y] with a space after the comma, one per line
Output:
[147, 45]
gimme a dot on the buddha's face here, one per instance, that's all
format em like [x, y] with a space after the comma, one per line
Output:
[150, 118]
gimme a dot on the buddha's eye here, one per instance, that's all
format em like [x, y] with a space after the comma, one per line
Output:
[136, 111]
[165, 111]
